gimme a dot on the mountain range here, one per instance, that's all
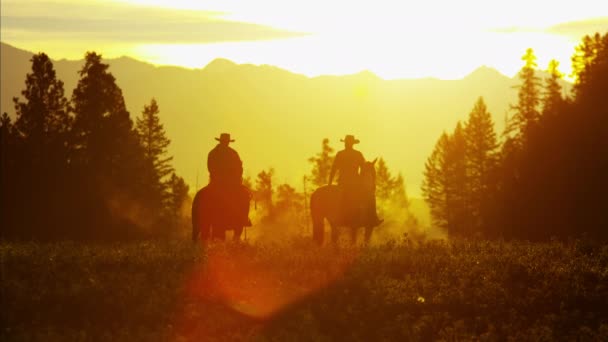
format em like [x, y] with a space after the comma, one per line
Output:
[279, 118]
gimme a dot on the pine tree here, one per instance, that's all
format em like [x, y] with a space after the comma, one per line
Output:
[457, 194]
[482, 161]
[105, 141]
[288, 199]
[154, 142]
[321, 164]
[390, 188]
[526, 113]
[445, 185]
[264, 192]
[112, 170]
[40, 162]
[42, 121]
[178, 195]
[385, 183]
[435, 183]
[552, 97]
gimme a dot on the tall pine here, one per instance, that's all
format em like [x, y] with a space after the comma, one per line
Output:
[526, 111]
[321, 164]
[435, 183]
[41, 152]
[481, 159]
[154, 143]
[108, 155]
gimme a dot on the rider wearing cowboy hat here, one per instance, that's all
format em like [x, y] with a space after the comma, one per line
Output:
[348, 164]
[224, 164]
[226, 173]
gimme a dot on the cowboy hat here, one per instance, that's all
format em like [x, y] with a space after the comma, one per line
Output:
[224, 137]
[350, 139]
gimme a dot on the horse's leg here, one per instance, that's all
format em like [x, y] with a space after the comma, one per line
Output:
[318, 230]
[237, 234]
[335, 234]
[368, 234]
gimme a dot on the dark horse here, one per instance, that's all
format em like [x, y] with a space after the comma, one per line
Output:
[326, 203]
[216, 210]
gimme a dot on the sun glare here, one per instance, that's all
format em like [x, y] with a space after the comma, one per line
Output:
[393, 40]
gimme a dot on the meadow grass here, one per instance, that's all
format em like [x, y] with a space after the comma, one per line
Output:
[400, 290]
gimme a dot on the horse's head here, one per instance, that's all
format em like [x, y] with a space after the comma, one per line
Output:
[368, 174]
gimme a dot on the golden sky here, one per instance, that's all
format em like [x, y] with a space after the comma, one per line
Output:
[394, 39]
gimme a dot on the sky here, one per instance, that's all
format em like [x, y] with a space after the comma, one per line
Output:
[445, 39]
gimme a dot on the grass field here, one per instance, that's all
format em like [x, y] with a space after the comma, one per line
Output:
[177, 291]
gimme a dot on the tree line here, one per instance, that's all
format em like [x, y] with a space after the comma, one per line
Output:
[81, 168]
[547, 175]
[287, 208]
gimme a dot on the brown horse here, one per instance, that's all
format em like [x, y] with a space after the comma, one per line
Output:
[216, 210]
[326, 203]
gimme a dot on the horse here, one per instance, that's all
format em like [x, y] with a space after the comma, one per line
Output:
[326, 203]
[216, 210]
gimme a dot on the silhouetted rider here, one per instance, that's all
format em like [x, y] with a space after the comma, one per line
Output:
[226, 175]
[348, 163]
[224, 164]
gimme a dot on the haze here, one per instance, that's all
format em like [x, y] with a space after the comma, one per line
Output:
[393, 39]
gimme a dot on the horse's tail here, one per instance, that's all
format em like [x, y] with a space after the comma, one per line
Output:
[317, 215]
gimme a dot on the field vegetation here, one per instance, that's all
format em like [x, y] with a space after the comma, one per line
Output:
[399, 290]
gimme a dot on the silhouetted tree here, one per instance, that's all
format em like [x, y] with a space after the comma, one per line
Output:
[435, 183]
[321, 164]
[41, 152]
[390, 188]
[385, 184]
[178, 195]
[481, 165]
[446, 184]
[552, 98]
[7, 174]
[526, 112]
[154, 142]
[264, 192]
[108, 156]
[457, 195]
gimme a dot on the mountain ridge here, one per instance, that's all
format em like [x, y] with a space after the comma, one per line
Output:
[279, 117]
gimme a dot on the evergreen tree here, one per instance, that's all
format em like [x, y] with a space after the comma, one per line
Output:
[7, 172]
[588, 58]
[445, 185]
[481, 165]
[154, 142]
[264, 192]
[321, 164]
[385, 183]
[178, 195]
[457, 194]
[42, 121]
[108, 157]
[526, 113]
[552, 97]
[435, 183]
[289, 200]
[40, 162]
[105, 141]
[390, 188]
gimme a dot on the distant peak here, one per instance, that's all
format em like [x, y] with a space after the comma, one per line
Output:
[484, 72]
[366, 75]
[220, 65]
